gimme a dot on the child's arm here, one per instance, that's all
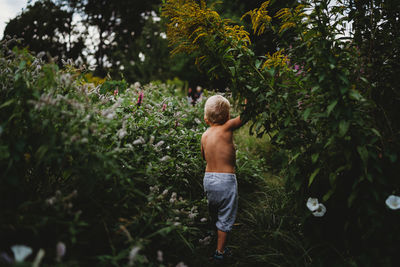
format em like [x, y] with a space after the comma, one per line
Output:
[235, 123]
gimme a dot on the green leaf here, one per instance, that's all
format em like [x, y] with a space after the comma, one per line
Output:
[376, 132]
[331, 107]
[312, 176]
[314, 157]
[328, 195]
[233, 71]
[363, 152]
[343, 127]
[7, 103]
[306, 113]
[355, 95]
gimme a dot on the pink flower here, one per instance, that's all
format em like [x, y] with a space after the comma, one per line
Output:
[164, 106]
[140, 99]
[115, 92]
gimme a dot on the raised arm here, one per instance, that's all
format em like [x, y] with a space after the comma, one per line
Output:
[233, 124]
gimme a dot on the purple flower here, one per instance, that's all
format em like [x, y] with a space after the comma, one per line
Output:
[140, 98]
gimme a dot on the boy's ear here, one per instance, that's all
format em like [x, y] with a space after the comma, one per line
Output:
[207, 122]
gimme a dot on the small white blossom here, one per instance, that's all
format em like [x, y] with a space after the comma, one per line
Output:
[139, 141]
[121, 133]
[132, 255]
[151, 141]
[165, 192]
[60, 251]
[181, 264]
[203, 219]
[320, 211]
[160, 256]
[177, 223]
[197, 121]
[393, 202]
[312, 204]
[21, 252]
[160, 143]
[165, 158]
[205, 241]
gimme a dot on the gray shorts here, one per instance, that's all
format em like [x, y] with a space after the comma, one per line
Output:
[222, 196]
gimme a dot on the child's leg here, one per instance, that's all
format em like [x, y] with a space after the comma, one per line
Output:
[221, 241]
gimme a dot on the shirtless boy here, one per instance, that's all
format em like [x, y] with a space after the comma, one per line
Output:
[219, 181]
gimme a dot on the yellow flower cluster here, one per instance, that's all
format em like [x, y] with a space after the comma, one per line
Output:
[259, 18]
[290, 16]
[191, 24]
[277, 59]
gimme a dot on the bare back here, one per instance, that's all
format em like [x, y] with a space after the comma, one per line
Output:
[217, 147]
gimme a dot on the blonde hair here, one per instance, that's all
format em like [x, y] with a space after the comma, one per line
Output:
[216, 109]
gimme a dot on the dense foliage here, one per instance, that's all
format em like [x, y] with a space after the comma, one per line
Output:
[105, 173]
[316, 100]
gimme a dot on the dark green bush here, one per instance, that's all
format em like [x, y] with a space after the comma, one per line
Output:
[94, 170]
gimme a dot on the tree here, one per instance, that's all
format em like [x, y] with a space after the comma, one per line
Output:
[44, 26]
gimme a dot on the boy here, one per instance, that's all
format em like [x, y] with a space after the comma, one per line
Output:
[219, 182]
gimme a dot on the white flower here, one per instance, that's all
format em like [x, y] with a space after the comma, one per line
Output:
[160, 256]
[132, 255]
[160, 143]
[205, 241]
[151, 141]
[393, 202]
[197, 121]
[21, 252]
[139, 141]
[60, 250]
[165, 158]
[203, 219]
[320, 211]
[181, 264]
[312, 204]
[121, 133]
[165, 192]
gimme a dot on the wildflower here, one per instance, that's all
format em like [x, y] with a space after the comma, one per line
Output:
[177, 223]
[115, 92]
[154, 189]
[197, 121]
[160, 256]
[165, 192]
[151, 141]
[181, 264]
[312, 204]
[21, 252]
[393, 202]
[205, 241]
[160, 143]
[165, 158]
[51, 201]
[60, 251]
[164, 106]
[140, 98]
[203, 219]
[121, 133]
[139, 141]
[318, 209]
[6, 258]
[132, 255]
[192, 215]
[173, 197]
